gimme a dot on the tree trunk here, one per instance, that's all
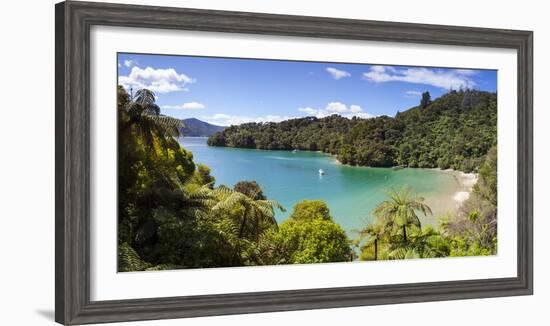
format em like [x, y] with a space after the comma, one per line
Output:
[405, 233]
[376, 249]
[241, 230]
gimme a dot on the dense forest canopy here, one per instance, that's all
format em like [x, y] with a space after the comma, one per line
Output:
[454, 131]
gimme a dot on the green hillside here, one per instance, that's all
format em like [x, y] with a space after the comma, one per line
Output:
[196, 128]
[454, 131]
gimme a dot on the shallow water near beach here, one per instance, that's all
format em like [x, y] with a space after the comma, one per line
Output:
[350, 192]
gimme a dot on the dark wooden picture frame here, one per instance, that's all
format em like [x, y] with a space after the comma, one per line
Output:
[72, 190]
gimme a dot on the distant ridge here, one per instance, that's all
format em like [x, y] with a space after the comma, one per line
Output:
[197, 128]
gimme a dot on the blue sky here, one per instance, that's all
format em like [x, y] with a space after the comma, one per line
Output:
[226, 91]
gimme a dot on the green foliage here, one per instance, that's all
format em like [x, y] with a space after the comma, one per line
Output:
[397, 233]
[256, 214]
[128, 259]
[423, 243]
[164, 197]
[142, 114]
[454, 131]
[171, 215]
[486, 186]
[311, 209]
[250, 188]
[314, 240]
[399, 213]
[202, 176]
[426, 100]
[375, 234]
[473, 231]
[150, 164]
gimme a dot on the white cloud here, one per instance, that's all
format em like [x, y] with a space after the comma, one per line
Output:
[467, 72]
[156, 80]
[413, 94]
[337, 74]
[355, 108]
[308, 110]
[186, 106]
[337, 108]
[222, 119]
[447, 79]
[220, 116]
[130, 63]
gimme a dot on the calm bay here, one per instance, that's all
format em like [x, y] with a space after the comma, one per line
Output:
[350, 192]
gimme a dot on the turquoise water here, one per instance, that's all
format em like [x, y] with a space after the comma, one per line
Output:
[350, 192]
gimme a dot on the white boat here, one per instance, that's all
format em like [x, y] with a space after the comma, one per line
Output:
[294, 151]
[321, 172]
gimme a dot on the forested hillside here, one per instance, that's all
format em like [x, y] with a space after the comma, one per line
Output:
[193, 127]
[454, 131]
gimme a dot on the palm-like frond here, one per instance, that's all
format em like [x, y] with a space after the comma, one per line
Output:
[372, 231]
[255, 210]
[410, 253]
[400, 211]
[229, 200]
[166, 126]
[144, 115]
[144, 97]
[197, 201]
[399, 253]
[423, 243]
[228, 229]
[372, 235]
[222, 192]
[129, 260]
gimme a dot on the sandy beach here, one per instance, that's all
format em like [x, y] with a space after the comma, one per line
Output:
[466, 181]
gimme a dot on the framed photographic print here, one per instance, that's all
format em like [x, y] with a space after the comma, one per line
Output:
[214, 162]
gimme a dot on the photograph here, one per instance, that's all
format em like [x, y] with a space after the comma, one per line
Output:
[233, 162]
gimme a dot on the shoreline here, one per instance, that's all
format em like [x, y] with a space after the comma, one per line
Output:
[466, 180]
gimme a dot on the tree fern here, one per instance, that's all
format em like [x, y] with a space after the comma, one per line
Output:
[399, 212]
[144, 115]
[254, 210]
[129, 260]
